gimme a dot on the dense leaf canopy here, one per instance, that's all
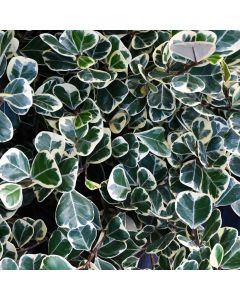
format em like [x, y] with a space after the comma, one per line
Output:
[119, 145]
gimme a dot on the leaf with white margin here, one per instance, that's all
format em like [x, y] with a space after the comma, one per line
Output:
[142, 60]
[103, 150]
[78, 41]
[5, 231]
[58, 244]
[202, 129]
[231, 194]
[227, 41]
[234, 118]
[118, 186]
[193, 208]
[93, 76]
[162, 99]
[68, 94]
[111, 96]
[185, 144]
[50, 141]
[120, 147]
[103, 264]
[188, 265]
[55, 262]
[188, 84]
[101, 49]
[22, 232]
[74, 210]
[82, 238]
[112, 248]
[154, 139]
[40, 230]
[6, 128]
[47, 102]
[9, 250]
[68, 168]
[232, 142]
[54, 44]
[44, 170]
[212, 225]
[11, 195]
[146, 179]
[91, 107]
[58, 62]
[212, 181]
[216, 256]
[117, 230]
[161, 243]
[22, 67]
[227, 238]
[14, 166]
[69, 130]
[236, 207]
[18, 93]
[118, 121]
[117, 62]
[144, 39]
[141, 201]
[232, 259]
[8, 264]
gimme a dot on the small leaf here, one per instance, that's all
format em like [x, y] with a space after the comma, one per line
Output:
[84, 62]
[11, 195]
[117, 230]
[93, 76]
[69, 172]
[216, 256]
[47, 102]
[118, 186]
[58, 244]
[188, 84]
[68, 94]
[8, 264]
[6, 128]
[146, 179]
[55, 262]
[22, 232]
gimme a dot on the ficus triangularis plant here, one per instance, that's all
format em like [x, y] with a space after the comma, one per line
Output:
[118, 147]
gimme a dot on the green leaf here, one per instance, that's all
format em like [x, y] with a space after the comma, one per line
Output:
[94, 76]
[14, 166]
[216, 256]
[40, 230]
[103, 150]
[161, 243]
[53, 42]
[227, 41]
[146, 179]
[120, 147]
[209, 181]
[82, 238]
[18, 94]
[188, 84]
[162, 99]
[84, 62]
[192, 208]
[232, 259]
[11, 195]
[22, 232]
[189, 265]
[58, 244]
[78, 41]
[47, 102]
[22, 67]
[111, 96]
[202, 130]
[118, 121]
[6, 128]
[44, 170]
[55, 262]
[69, 172]
[74, 210]
[118, 186]
[144, 39]
[103, 264]
[231, 194]
[5, 231]
[212, 225]
[228, 236]
[8, 264]
[117, 230]
[117, 62]
[68, 94]
[111, 248]
[154, 139]
[58, 62]
[49, 141]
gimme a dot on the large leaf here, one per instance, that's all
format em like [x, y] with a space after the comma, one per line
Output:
[193, 209]
[74, 210]
[14, 166]
[154, 139]
[69, 172]
[55, 262]
[44, 170]
[227, 41]
[209, 181]
[68, 94]
[11, 195]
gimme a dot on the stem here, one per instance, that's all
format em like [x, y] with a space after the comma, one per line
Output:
[5, 95]
[195, 237]
[22, 250]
